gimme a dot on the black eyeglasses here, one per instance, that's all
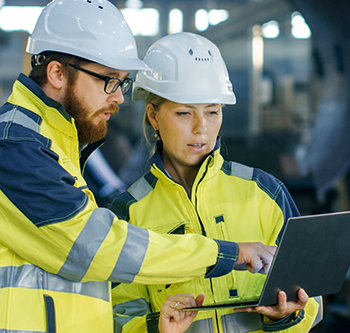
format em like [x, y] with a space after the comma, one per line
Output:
[111, 83]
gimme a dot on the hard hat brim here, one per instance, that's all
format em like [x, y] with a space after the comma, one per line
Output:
[35, 46]
[141, 92]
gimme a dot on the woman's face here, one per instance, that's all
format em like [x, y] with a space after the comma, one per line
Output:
[188, 131]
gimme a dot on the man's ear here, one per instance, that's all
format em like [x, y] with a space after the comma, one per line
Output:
[152, 115]
[55, 74]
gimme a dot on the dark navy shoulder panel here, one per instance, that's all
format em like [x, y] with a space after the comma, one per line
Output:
[30, 176]
[151, 179]
[11, 107]
[17, 123]
[278, 192]
[120, 205]
[141, 188]
[273, 187]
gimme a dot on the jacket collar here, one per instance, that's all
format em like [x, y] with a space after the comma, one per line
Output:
[39, 92]
[35, 89]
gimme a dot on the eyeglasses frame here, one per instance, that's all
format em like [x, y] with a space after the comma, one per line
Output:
[120, 83]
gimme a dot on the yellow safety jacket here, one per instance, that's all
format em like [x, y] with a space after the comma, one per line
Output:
[58, 251]
[229, 201]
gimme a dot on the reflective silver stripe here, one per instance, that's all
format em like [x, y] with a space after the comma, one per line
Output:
[129, 309]
[33, 277]
[319, 316]
[241, 322]
[241, 171]
[140, 189]
[87, 244]
[20, 118]
[131, 256]
[201, 326]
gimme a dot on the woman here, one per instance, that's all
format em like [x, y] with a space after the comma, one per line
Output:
[192, 189]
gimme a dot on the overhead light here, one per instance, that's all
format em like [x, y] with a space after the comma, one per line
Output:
[204, 18]
[15, 18]
[175, 21]
[143, 21]
[201, 20]
[257, 47]
[136, 4]
[270, 29]
[217, 16]
[300, 29]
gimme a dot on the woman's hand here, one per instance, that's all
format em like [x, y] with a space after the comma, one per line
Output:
[172, 319]
[282, 309]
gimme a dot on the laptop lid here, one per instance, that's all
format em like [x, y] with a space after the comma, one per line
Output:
[314, 254]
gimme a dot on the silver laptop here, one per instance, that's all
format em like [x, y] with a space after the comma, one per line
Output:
[313, 254]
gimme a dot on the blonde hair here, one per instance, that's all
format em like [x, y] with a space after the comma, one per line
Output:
[148, 131]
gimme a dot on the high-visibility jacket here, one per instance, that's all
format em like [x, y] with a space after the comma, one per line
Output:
[229, 201]
[58, 251]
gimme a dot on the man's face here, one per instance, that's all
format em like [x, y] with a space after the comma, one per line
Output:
[86, 101]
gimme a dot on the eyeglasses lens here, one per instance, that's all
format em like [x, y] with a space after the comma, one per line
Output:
[114, 84]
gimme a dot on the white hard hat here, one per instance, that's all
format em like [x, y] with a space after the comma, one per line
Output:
[91, 29]
[185, 68]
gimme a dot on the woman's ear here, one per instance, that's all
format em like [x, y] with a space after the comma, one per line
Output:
[55, 75]
[152, 115]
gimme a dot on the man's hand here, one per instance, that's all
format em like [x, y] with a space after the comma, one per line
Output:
[172, 319]
[282, 309]
[255, 257]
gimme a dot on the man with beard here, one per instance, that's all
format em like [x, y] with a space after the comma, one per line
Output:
[58, 250]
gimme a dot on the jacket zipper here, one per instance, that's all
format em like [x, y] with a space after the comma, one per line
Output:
[205, 234]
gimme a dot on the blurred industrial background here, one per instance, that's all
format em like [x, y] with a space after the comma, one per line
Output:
[289, 62]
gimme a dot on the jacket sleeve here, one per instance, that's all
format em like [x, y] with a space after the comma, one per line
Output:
[301, 321]
[50, 219]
